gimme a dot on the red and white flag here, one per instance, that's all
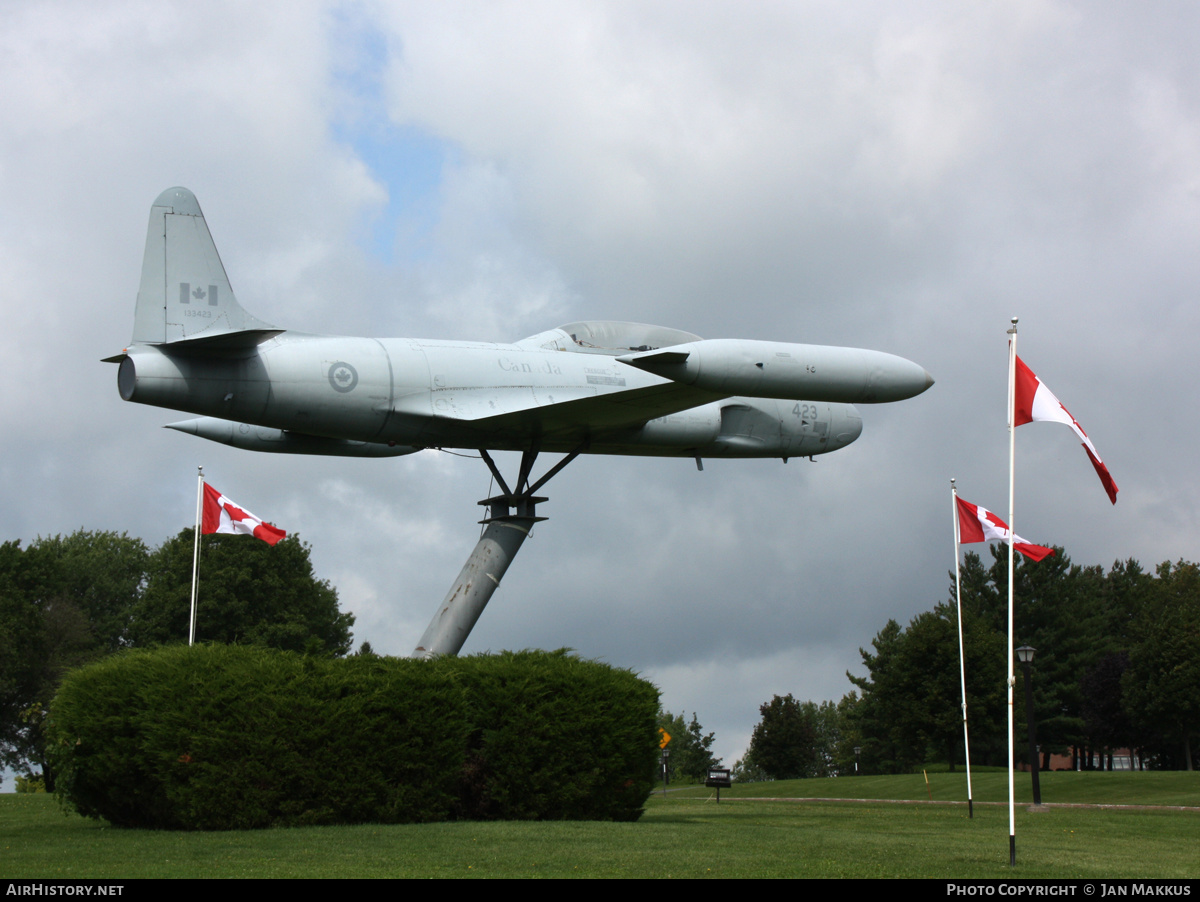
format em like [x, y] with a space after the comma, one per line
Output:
[978, 524]
[1036, 402]
[224, 516]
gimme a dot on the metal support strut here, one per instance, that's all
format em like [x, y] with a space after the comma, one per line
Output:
[511, 516]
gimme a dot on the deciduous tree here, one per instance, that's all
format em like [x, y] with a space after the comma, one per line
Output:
[64, 601]
[1105, 720]
[250, 593]
[1162, 683]
[784, 744]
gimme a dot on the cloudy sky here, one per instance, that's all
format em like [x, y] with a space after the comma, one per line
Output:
[901, 176]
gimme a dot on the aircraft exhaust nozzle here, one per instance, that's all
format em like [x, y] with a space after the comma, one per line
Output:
[278, 441]
[769, 369]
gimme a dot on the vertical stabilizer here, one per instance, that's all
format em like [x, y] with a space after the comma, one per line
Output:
[184, 293]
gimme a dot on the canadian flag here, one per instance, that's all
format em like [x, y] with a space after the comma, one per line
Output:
[978, 524]
[224, 516]
[1034, 401]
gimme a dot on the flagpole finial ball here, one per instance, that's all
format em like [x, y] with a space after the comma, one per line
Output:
[1014, 320]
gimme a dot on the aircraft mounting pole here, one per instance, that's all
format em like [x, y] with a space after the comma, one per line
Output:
[479, 578]
[510, 518]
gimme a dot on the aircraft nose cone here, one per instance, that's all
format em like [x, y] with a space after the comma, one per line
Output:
[188, 426]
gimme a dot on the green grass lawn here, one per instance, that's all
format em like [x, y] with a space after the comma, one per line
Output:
[991, 785]
[685, 834]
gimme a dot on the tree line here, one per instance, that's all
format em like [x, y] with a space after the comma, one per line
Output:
[66, 601]
[1117, 666]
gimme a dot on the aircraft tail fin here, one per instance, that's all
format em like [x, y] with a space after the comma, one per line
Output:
[184, 294]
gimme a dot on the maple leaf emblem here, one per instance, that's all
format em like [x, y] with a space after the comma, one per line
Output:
[342, 376]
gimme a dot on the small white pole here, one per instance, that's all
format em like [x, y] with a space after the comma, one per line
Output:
[196, 553]
[1012, 531]
[962, 660]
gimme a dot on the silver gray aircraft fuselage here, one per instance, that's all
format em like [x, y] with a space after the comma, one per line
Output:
[398, 395]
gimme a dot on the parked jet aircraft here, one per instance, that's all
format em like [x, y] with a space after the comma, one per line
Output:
[587, 387]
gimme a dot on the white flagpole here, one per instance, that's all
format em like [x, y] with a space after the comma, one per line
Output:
[196, 553]
[962, 665]
[1012, 531]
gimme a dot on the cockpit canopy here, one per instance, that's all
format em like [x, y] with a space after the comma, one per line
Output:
[620, 338]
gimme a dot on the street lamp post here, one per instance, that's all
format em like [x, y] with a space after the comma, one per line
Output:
[1025, 656]
[857, 752]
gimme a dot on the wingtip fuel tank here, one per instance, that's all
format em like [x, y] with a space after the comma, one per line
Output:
[279, 441]
[769, 369]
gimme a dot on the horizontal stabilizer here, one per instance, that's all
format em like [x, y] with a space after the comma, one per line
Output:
[224, 341]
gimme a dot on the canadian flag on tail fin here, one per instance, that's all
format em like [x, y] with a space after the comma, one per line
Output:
[1036, 402]
[978, 524]
[224, 516]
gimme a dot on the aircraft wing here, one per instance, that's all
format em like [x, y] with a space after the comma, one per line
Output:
[567, 414]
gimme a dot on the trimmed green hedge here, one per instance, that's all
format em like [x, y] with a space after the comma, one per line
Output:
[235, 737]
[554, 737]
